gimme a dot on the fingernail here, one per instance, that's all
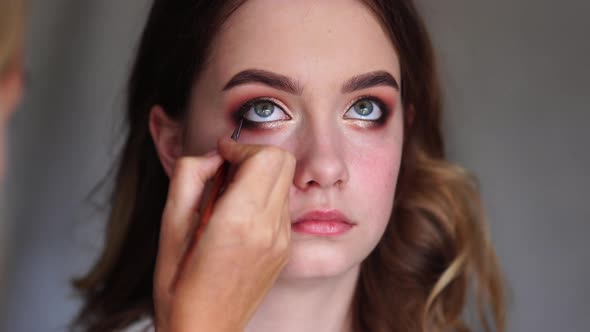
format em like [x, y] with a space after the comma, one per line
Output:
[227, 140]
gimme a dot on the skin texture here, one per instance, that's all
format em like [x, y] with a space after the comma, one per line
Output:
[338, 163]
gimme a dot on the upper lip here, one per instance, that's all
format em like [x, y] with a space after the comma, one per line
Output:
[323, 215]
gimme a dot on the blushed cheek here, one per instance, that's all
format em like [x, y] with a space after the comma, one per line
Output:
[375, 181]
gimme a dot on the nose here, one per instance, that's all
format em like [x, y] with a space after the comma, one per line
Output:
[320, 160]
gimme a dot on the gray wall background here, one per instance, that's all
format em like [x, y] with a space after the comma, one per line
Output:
[516, 75]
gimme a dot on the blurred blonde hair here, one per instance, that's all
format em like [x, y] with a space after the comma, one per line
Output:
[11, 29]
[11, 26]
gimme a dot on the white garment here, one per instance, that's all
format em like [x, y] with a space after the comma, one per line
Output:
[142, 325]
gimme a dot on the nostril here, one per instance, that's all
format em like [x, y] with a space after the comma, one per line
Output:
[312, 183]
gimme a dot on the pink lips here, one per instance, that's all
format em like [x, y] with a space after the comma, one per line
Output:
[324, 223]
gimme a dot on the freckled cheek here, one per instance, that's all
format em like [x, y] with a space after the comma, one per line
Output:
[379, 173]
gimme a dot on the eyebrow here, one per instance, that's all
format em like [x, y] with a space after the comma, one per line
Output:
[368, 80]
[274, 80]
[284, 83]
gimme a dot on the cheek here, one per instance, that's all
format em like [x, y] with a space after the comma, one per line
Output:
[375, 176]
[206, 126]
[372, 187]
[375, 161]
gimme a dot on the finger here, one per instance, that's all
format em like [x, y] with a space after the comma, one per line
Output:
[235, 152]
[285, 225]
[284, 181]
[280, 194]
[259, 170]
[185, 191]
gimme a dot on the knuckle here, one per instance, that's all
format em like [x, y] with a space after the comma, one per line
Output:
[237, 228]
[247, 233]
[182, 165]
[234, 225]
[191, 168]
[269, 156]
[263, 239]
[188, 167]
[280, 253]
[250, 205]
[282, 245]
[290, 160]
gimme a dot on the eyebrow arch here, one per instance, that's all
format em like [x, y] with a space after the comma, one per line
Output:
[265, 77]
[364, 81]
[282, 82]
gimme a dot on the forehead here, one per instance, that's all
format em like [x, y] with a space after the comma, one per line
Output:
[307, 40]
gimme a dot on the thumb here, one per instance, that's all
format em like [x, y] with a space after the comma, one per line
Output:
[235, 152]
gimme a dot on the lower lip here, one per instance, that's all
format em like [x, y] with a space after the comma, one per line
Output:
[321, 227]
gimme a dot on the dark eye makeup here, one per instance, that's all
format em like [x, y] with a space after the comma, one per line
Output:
[264, 108]
[368, 110]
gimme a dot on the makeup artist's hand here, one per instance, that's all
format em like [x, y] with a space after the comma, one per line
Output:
[243, 249]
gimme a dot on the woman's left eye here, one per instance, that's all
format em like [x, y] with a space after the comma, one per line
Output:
[365, 109]
[263, 111]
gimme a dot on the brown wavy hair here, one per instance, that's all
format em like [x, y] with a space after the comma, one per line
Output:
[435, 251]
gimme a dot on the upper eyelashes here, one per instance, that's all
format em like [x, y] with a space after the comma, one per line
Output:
[366, 108]
[266, 110]
[262, 110]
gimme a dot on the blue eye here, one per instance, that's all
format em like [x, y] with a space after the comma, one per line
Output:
[263, 110]
[365, 109]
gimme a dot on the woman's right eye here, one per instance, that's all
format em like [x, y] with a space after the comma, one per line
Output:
[263, 111]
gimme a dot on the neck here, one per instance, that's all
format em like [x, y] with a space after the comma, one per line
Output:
[322, 304]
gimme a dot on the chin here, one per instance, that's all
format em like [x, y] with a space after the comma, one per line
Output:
[320, 258]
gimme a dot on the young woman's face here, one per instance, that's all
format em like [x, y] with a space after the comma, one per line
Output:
[319, 79]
